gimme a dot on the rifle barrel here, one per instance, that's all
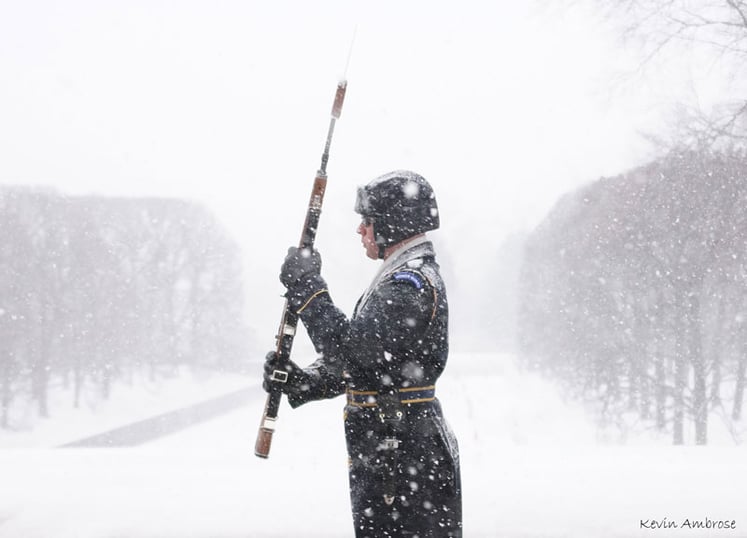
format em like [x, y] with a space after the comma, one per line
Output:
[289, 319]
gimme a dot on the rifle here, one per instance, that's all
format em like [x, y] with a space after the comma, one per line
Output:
[289, 319]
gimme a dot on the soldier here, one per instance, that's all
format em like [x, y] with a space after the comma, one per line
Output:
[403, 457]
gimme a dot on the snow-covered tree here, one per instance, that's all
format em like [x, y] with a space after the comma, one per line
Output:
[96, 289]
[634, 289]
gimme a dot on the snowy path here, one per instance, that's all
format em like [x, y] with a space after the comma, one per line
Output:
[158, 426]
[526, 474]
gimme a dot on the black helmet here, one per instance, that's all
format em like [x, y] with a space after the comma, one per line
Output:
[401, 204]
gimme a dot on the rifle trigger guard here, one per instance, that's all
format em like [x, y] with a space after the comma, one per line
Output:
[279, 376]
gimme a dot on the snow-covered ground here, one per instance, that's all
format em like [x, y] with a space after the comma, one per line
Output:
[129, 402]
[532, 467]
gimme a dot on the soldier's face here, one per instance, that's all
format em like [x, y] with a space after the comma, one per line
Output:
[367, 238]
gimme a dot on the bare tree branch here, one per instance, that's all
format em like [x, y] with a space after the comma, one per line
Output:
[715, 30]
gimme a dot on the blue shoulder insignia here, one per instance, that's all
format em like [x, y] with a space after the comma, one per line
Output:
[411, 277]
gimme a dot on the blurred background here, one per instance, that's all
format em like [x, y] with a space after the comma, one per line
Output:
[156, 161]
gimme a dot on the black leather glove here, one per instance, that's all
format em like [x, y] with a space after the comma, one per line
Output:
[285, 376]
[299, 265]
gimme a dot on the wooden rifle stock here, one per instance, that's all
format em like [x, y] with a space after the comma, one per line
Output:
[289, 319]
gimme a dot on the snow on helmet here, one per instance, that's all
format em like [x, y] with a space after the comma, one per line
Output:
[401, 204]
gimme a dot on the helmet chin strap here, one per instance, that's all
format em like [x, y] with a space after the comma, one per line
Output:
[379, 241]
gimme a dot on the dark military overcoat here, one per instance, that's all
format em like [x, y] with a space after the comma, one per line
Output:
[403, 457]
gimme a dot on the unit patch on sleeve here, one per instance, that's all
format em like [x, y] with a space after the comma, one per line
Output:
[409, 276]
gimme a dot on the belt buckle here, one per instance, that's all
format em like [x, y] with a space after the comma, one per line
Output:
[390, 407]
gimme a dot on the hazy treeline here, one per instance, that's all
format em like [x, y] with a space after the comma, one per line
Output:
[96, 289]
[633, 293]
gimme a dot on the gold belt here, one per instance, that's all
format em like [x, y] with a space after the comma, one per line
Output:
[407, 395]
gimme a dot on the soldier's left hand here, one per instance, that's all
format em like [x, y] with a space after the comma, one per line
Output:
[299, 264]
[285, 376]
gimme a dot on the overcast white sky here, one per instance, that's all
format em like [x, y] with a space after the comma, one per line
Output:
[501, 106]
